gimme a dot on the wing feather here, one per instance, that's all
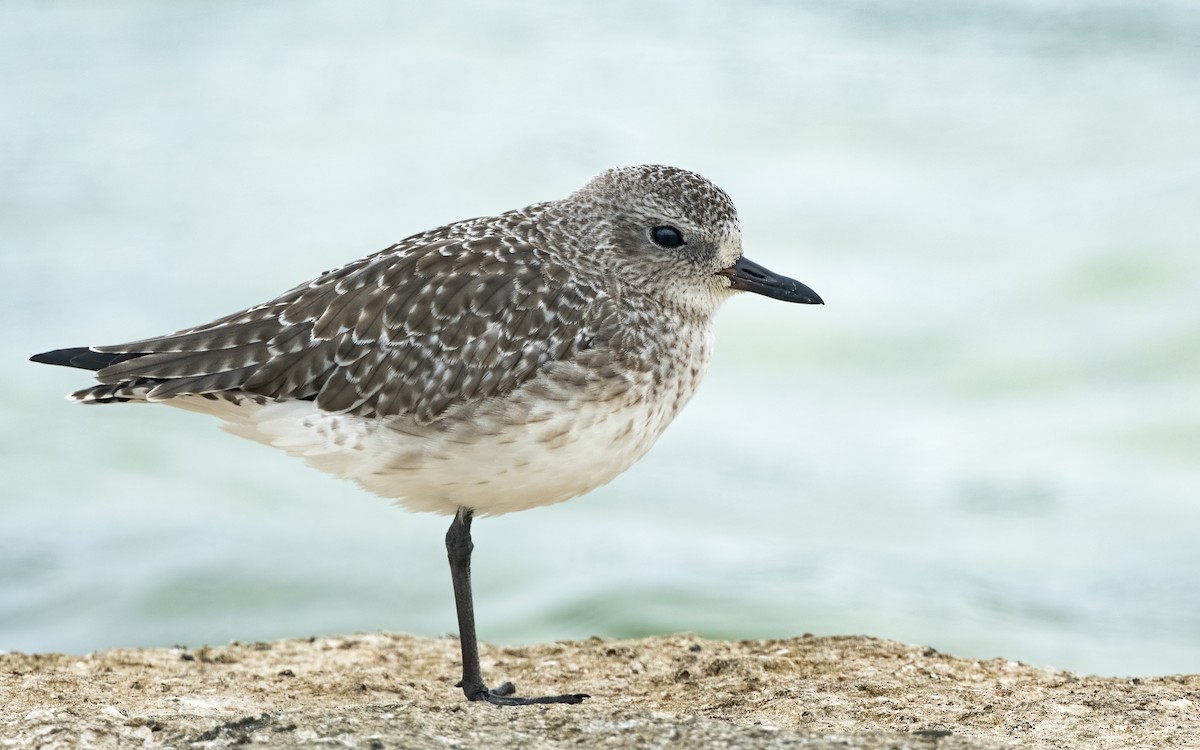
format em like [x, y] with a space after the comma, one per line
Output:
[463, 313]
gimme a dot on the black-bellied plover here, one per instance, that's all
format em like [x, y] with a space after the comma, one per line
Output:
[490, 365]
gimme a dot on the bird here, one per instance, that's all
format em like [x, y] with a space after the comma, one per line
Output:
[487, 366]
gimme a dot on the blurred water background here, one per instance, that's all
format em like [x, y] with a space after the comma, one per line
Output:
[988, 441]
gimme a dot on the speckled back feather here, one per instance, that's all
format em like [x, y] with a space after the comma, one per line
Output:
[464, 312]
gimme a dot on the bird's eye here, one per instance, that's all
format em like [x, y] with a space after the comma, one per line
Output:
[666, 236]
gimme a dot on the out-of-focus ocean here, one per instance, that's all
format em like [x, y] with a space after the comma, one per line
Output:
[987, 441]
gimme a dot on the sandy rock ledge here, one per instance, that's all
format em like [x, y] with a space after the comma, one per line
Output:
[391, 691]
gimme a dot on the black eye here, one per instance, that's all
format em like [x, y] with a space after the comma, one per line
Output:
[667, 236]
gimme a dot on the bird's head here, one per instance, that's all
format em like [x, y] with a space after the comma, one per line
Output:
[674, 234]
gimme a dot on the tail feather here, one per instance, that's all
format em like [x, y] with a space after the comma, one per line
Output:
[135, 387]
[81, 357]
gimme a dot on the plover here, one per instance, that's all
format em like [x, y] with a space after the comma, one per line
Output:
[490, 365]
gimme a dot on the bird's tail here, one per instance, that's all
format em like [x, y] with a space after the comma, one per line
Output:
[81, 357]
[134, 389]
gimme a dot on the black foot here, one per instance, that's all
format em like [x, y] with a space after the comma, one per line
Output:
[503, 696]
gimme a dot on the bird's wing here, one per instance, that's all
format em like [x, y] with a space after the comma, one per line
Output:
[429, 323]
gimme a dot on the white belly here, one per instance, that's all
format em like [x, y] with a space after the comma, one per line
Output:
[495, 463]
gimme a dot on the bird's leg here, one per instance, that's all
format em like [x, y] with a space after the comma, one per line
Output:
[458, 550]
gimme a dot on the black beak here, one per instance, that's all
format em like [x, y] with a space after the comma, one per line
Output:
[748, 276]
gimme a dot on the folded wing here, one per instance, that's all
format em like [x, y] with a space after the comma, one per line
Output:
[415, 329]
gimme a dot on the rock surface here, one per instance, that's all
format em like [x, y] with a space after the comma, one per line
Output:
[390, 691]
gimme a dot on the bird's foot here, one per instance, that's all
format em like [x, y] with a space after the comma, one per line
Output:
[504, 696]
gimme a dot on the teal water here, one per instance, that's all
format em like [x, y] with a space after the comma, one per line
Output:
[988, 440]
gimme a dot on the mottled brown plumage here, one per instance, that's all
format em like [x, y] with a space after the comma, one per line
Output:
[489, 365]
[464, 312]
[518, 330]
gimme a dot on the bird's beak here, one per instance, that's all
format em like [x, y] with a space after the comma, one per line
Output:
[748, 276]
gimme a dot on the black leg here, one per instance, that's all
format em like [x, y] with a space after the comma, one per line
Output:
[458, 549]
